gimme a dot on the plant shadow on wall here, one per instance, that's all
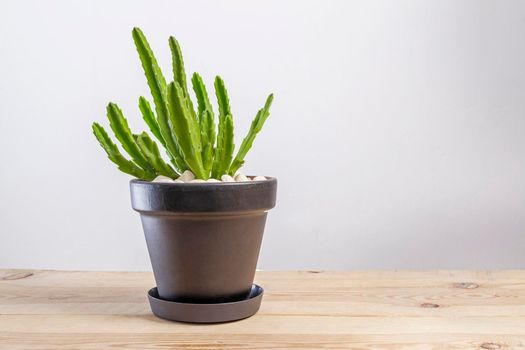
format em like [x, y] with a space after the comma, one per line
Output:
[188, 135]
[203, 234]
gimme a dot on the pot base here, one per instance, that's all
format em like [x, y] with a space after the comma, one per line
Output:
[206, 313]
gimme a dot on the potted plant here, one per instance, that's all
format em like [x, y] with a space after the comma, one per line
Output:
[202, 219]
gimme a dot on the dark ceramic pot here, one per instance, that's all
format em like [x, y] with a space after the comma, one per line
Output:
[203, 238]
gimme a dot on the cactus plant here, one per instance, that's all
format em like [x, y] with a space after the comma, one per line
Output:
[188, 135]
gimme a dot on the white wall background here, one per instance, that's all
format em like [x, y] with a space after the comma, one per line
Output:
[397, 133]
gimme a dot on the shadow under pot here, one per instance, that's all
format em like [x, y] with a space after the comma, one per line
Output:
[203, 238]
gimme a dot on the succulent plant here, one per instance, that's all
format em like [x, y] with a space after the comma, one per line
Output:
[188, 135]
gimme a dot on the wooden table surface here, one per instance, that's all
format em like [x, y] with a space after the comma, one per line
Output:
[301, 310]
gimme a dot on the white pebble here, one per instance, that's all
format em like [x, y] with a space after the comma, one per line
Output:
[162, 178]
[197, 181]
[186, 176]
[213, 180]
[227, 178]
[178, 181]
[259, 178]
[241, 178]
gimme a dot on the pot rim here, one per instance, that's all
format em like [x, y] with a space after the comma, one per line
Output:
[203, 197]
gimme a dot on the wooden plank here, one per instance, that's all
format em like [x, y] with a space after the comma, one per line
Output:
[302, 310]
[265, 324]
[154, 341]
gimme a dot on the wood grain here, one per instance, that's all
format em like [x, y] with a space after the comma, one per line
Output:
[300, 310]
